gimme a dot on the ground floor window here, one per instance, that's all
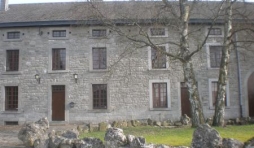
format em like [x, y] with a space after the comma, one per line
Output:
[99, 96]
[11, 98]
[213, 93]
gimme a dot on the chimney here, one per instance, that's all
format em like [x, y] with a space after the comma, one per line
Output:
[4, 5]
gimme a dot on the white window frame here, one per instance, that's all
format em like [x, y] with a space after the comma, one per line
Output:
[150, 60]
[98, 28]
[150, 35]
[208, 54]
[151, 94]
[91, 57]
[58, 38]
[210, 93]
[222, 31]
[13, 40]
[50, 59]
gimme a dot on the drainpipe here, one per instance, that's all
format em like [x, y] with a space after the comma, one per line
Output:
[239, 77]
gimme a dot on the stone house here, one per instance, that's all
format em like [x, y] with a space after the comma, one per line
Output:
[56, 61]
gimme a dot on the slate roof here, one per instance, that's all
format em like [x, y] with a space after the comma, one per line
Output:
[69, 12]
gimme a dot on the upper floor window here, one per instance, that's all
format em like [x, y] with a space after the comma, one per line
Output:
[58, 59]
[214, 92]
[13, 35]
[99, 55]
[99, 96]
[12, 60]
[215, 31]
[99, 32]
[59, 33]
[158, 58]
[158, 31]
[215, 56]
[159, 95]
[11, 98]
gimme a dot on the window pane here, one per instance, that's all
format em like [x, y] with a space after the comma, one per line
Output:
[215, 31]
[99, 96]
[99, 58]
[215, 56]
[58, 59]
[159, 95]
[214, 90]
[99, 32]
[12, 60]
[11, 97]
[157, 31]
[13, 35]
[59, 33]
[158, 58]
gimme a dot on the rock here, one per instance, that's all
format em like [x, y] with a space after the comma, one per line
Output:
[237, 121]
[136, 142]
[135, 123]
[93, 127]
[150, 122]
[231, 143]
[170, 123]
[249, 143]
[115, 124]
[83, 128]
[206, 137]
[115, 138]
[103, 126]
[178, 123]
[39, 143]
[32, 132]
[124, 124]
[94, 142]
[209, 121]
[185, 119]
[55, 141]
[157, 123]
[129, 124]
[70, 134]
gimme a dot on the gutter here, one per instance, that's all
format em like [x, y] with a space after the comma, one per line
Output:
[239, 77]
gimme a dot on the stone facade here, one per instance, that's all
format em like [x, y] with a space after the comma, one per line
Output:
[128, 79]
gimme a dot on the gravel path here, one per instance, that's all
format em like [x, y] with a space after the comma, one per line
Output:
[9, 135]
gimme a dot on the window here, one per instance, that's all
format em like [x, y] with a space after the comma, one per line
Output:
[99, 96]
[59, 33]
[157, 32]
[215, 56]
[11, 98]
[99, 33]
[215, 31]
[58, 59]
[13, 35]
[214, 90]
[12, 60]
[158, 59]
[159, 95]
[99, 56]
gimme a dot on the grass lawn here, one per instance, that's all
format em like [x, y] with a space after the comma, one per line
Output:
[179, 136]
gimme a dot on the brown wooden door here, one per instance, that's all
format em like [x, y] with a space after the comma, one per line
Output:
[58, 103]
[185, 103]
[251, 95]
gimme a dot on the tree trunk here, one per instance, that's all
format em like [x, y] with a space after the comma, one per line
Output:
[196, 106]
[218, 119]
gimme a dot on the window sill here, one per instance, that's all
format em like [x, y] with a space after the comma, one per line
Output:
[216, 36]
[12, 40]
[159, 109]
[158, 36]
[99, 111]
[58, 71]
[159, 69]
[98, 71]
[104, 37]
[11, 73]
[210, 68]
[213, 108]
[59, 38]
[11, 112]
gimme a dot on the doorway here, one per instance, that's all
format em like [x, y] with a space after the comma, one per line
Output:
[58, 103]
[185, 102]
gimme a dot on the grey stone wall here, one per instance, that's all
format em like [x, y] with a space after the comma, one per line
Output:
[128, 79]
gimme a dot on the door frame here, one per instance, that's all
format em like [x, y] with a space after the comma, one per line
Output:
[66, 112]
[245, 96]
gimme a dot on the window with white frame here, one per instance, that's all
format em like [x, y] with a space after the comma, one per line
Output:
[99, 58]
[98, 33]
[158, 32]
[59, 33]
[11, 98]
[157, 59]
[215, 31]
[215, 53]
[213, 91]
[13, 35]
[159, 94]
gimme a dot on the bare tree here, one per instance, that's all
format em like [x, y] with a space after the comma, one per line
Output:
[177, 16]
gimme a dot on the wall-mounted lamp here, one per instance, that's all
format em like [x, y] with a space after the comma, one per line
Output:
[38, 78]
[71, 104]
[75, 77]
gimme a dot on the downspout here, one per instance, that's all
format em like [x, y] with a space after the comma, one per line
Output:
[239, 77]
